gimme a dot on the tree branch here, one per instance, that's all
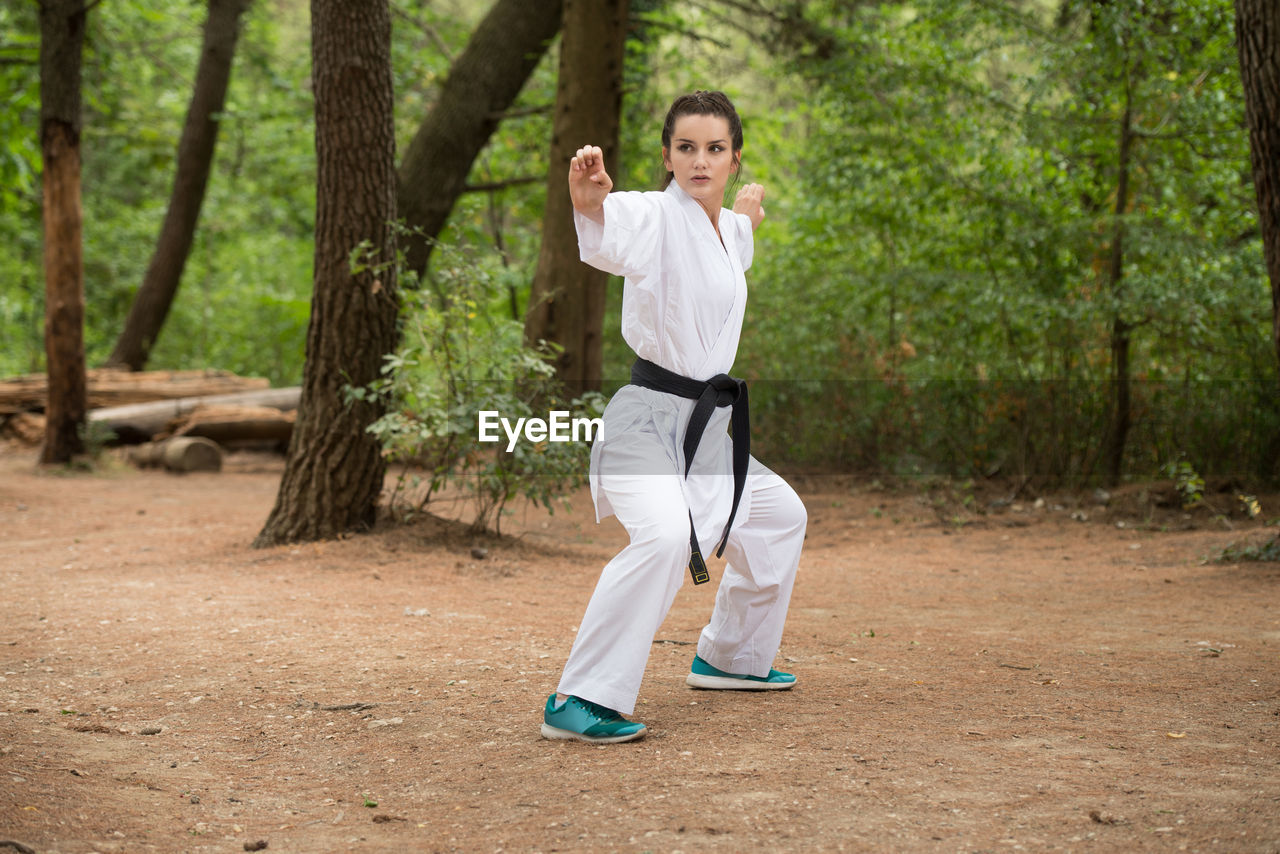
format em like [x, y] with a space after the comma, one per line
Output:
[491, 186]
[789, 26]
[687, 33]
[428, 30]
[521, 112]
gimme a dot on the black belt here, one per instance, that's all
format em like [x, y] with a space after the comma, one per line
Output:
[720, 390]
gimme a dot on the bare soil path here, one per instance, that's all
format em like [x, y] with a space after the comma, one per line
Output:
[1016, 680]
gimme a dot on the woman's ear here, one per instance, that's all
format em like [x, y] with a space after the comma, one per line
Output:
[666, 159]
[737, 162]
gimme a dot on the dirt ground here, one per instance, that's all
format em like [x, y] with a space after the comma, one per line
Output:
[976, 673]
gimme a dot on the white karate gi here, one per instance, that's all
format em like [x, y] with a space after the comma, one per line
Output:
[682, 307]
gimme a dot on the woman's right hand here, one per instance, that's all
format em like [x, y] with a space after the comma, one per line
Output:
[589, 183]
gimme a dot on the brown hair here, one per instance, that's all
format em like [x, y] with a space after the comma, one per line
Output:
[703, 103]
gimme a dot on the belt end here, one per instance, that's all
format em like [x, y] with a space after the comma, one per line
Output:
[698, 569]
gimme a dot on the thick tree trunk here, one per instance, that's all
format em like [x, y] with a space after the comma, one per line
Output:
[566, 303]
[482, 84]
[61, 40]
[1258, 40]
[335, 469]
[195, 158]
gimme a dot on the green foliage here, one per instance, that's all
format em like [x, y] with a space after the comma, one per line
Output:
[245, 294]
[1187, 481]
[19, 101]
[950, 223]
[21, 285]
[1251, 552]
[459, 357]
[932, 289]
[503, 217]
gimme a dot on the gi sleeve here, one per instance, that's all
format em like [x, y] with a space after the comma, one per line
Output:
[630, 240]
[746, 245]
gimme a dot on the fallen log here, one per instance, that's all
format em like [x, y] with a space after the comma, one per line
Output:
[180, 454]
[113, 387]
[227, 423]
[140, 422]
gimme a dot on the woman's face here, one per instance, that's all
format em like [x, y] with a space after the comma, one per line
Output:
[701, 157]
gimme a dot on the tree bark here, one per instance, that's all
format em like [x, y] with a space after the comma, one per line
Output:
[567, 299]
[195, 158]
[335, 469]
[1258, 42]
[62, 24]
[483, 82]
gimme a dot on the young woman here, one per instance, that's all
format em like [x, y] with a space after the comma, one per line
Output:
[666, 465]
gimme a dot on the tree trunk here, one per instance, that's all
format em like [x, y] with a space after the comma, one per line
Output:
[1258, 41]
[62, 25]
[1121, 409]
[566, 303]
[195, 158]
[483, 82]
[335, 469]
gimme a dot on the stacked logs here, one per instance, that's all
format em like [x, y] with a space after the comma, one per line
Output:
[180, 420]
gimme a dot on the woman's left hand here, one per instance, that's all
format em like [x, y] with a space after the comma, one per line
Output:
[750, 201]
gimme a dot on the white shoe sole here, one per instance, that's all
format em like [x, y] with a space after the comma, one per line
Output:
[728, 683]
[557, 734]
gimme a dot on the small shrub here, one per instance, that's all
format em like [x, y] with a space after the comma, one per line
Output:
[1187, 481]
[1258, 552]
[458, 358]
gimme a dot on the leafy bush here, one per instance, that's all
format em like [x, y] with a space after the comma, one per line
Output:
[459, 357]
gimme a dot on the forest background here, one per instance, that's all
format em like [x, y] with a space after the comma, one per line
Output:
[1005, 237]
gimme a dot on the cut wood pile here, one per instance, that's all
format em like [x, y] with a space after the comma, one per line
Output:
[182, 420]
[110, 387]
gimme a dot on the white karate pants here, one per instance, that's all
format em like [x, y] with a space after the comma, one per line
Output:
[637, 587]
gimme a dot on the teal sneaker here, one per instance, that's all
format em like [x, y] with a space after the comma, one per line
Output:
[703, 675]
[583, 720]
